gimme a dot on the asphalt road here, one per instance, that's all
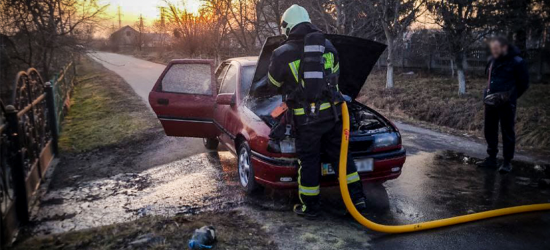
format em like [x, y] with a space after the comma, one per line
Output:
[439, 180]
[140, 74]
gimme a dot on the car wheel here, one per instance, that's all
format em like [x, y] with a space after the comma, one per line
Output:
[210, 143]
[245, 169]
[378, 199]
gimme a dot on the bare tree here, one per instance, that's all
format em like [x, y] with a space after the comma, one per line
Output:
[346, 17]
[201, 33]
[463, 22]
[268, 17]
[241, 19]
[43, 32]
[425, 46]
[142, 38]
[395, 17]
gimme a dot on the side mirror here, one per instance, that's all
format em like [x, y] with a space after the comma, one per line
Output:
[225, 99]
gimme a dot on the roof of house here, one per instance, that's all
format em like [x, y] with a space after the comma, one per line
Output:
[124, 28]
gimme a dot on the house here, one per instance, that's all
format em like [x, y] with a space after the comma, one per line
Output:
[124, 37]
[128, 37]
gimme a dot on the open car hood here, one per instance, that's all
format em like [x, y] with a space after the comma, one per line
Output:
[357, 58]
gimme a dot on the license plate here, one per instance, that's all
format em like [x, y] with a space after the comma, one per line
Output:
[363, 165]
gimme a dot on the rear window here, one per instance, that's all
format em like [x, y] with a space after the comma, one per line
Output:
[246, 79]
[188, 79]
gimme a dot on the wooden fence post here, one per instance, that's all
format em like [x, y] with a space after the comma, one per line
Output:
[52, 117]
[18, 164]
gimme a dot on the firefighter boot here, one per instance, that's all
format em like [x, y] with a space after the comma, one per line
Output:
[306, 211]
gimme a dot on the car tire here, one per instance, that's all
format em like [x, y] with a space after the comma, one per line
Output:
[377, 196]
[210, 143]
[245, 171]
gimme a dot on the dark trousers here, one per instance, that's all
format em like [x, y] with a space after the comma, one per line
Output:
[506, 116]
[312, 139]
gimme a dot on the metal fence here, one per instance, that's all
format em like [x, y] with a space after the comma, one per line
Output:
[28, 142]
[476, 61]
[64, 83]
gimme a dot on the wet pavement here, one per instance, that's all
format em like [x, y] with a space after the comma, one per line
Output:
[433, 185]
[420, 139]
[437, 182]
[445, 184]
[195, 184]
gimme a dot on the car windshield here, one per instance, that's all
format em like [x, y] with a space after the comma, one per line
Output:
[246, 79]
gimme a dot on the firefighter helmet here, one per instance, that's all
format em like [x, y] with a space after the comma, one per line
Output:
[293, 16]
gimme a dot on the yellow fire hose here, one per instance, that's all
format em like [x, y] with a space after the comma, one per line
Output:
[417, 226]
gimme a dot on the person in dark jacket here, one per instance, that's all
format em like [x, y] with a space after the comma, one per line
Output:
[507, 80]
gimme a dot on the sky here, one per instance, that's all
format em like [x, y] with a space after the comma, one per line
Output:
[150, 9]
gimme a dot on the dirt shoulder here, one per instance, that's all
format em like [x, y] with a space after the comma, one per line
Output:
[122, 183]
[234, 231]
[433, 102]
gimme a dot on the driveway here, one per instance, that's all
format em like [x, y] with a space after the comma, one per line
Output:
[140, 74]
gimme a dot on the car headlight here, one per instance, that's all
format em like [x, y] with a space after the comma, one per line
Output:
[386, 140]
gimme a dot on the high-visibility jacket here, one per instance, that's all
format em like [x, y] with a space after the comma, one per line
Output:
[284, 67]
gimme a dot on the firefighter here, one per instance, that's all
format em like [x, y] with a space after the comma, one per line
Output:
[305, 70]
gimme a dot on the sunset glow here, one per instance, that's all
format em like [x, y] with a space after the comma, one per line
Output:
[149, 9]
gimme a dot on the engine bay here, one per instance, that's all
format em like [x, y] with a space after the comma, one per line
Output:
[364, 122]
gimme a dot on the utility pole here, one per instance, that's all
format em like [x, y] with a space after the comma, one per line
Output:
[162, 27]
[140, 31]
[162, 22]
[119, 18]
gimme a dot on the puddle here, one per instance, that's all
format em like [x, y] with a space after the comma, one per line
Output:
[445, 183]
[520, 168]
[523, 173]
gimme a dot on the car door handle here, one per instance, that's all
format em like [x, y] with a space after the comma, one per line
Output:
[163, 101]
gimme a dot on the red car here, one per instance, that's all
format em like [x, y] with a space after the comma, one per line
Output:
[192, 99]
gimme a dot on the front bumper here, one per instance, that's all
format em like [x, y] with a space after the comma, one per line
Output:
[282, 173]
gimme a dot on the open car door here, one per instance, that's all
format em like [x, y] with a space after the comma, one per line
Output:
[184, 97]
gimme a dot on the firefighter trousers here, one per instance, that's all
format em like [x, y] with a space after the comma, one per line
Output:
[312, 139]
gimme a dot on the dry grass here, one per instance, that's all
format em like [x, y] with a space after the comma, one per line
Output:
[104, 110]
[434, 99]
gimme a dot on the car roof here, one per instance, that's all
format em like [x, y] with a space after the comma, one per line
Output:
[245, 61]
